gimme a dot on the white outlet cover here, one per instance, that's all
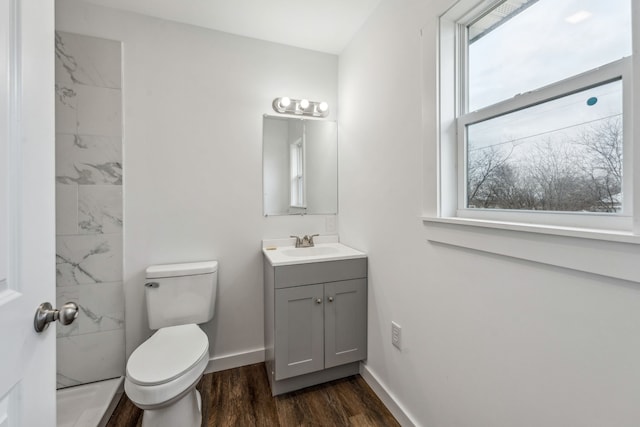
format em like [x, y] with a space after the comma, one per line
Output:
[396, 335]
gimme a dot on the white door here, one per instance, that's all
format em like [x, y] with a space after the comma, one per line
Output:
[27, 211]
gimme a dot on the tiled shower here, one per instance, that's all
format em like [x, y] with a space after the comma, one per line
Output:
[89, 211]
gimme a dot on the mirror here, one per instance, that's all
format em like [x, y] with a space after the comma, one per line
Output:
[300, 166]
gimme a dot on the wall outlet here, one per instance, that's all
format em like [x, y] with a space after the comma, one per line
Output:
[396, 335]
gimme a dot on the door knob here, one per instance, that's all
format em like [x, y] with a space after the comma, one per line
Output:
[46, 314]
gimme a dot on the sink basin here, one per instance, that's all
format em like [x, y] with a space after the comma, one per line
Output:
[288, 255]
[313, 251]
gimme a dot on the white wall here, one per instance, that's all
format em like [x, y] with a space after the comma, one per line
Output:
[487, 340]
[193, 105]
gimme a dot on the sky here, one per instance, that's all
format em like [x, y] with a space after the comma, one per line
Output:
[540, 46]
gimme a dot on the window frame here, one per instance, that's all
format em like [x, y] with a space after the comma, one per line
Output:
[453, 121]
[297, 174]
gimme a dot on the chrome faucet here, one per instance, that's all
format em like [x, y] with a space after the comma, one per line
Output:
[305, 241]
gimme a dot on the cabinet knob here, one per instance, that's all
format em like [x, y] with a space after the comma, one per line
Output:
[318, 300]
[330, 299]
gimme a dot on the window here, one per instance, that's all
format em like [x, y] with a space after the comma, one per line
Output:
[535, 112]
[297, 173]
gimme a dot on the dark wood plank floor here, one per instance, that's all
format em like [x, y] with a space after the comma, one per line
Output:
[241, 397]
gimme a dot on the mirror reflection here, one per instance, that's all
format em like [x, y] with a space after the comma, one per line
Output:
[300, 166]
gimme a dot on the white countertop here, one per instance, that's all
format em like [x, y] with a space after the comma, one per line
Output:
[327, 248]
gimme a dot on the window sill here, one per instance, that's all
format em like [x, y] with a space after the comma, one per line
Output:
[603, 252]
[581, 233]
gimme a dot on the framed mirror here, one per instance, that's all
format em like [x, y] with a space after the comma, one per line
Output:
[299, 166]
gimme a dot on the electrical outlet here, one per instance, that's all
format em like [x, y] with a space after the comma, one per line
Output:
[396, 335]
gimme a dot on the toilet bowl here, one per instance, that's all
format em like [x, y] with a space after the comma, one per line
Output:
[163, 371]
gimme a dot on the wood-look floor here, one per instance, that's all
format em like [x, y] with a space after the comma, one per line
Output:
[241, 397]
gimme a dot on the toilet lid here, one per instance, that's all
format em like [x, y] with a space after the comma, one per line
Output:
[167, 354]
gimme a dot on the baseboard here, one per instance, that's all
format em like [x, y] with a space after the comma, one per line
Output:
[389, 400]
[235, 360]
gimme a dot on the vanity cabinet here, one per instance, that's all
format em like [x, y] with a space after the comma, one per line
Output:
[315, 322]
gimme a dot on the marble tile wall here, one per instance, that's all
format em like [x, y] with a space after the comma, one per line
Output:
[89, 207]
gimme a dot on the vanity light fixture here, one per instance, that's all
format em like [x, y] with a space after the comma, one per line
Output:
[284, 102]
[286, 105]
[322, 107]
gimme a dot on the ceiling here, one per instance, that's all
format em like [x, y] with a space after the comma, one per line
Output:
[326, 25]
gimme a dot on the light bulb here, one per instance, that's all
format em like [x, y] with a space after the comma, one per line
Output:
[323, 106]
[304, 104]
[285, 102]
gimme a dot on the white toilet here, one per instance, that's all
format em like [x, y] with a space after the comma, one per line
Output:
[163, 372]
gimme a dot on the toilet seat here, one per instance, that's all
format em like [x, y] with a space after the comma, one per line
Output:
[167, 355]
[166, 366]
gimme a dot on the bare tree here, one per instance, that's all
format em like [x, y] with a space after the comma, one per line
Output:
[603, 163]
[559, 173]
[483, 166]
[554, 169]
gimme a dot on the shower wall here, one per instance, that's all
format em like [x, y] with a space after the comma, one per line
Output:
[89, 207]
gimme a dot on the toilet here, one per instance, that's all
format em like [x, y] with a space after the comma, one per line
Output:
[162, 373]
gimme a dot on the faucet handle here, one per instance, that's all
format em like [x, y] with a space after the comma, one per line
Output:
[298, 241]
[311, 238]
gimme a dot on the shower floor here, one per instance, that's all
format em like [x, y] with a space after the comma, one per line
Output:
[86, 405]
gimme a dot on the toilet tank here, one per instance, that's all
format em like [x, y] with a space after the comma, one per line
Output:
[179, 294]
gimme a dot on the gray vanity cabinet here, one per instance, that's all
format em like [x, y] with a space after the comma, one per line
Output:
[345, 322]
[299, 331]
[315, 322]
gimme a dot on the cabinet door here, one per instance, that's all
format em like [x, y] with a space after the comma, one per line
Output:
[345, 322]
[299, 346]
